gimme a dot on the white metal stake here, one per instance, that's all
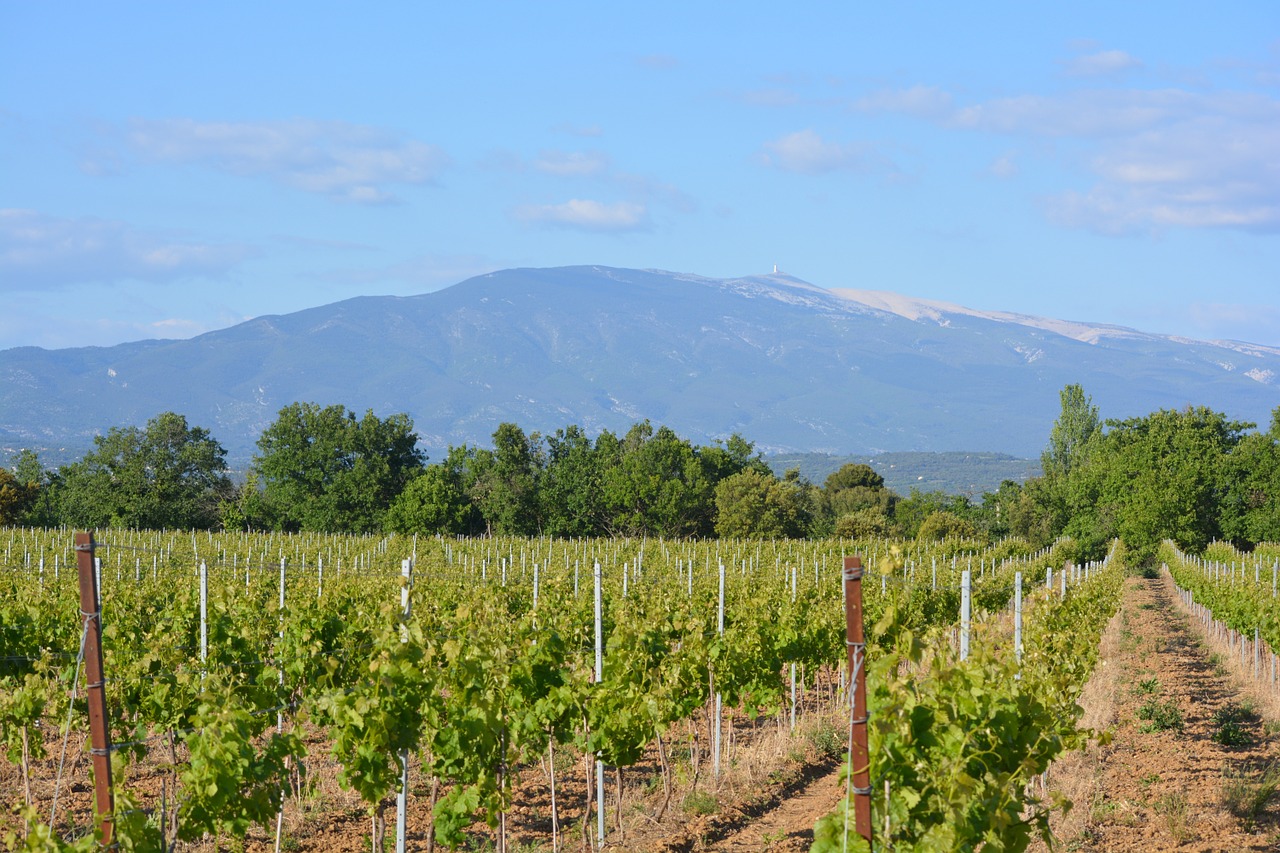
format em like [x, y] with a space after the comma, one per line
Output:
[599, 678]
[204, 614]
[1017, 620]
[402, 796]
[964, 613]
[715, 765]
[280, 713]
[793, 664]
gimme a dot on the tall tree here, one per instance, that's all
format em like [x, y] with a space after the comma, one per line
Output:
[1072, 432]
[1251, 488]
[570, 489]
[503, 482]
[166, 475]
[323, 469]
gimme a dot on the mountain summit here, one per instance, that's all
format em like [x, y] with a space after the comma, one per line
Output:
[789, 365]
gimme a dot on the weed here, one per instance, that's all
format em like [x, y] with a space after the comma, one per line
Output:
[826, 739]
[1147, 686]
[1226, 726]
[1174, 809]
[1160, 717]
[1149, 780]
[1246, 793]
[700, 803]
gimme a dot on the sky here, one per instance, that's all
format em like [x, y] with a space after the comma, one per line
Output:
[170, 169]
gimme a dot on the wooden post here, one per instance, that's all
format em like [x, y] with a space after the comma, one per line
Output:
[99, 731]
[859, 756]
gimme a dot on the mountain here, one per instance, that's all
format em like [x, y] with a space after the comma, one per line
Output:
[791, 366]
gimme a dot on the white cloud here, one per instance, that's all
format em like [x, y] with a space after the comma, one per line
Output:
[38, 251]
[575, 164]
[1159, 158]
[1104, 63]
[344, 161]
[919, 101]
[587, 215]
[1004, 166]
[808, 153]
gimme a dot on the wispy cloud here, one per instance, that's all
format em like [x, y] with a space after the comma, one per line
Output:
[1159, 158]
[807, 153]
[343, 161]
[428, 271]
[658, 62]
[587, 215]
[38, 251]
[589, 131]
[575, 164]
[920, 101]
[1103, 63]
[1235, 321]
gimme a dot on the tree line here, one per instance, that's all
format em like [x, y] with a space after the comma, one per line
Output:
[1191, 475]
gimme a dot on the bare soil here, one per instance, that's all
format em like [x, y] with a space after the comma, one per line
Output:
[1174, 775]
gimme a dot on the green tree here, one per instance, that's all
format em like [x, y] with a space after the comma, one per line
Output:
[435, 501]
[726, 458]
[165, 475]
[941, 524]
[503, 482]
[909, 513]
[1159, 477]
[323, 469]
[855, 498]
[1069, 439]
[852, 476]
[42, 486]
[760, 506]
[570, 489]
[655, 483]
[16, 498]
[1250, 511]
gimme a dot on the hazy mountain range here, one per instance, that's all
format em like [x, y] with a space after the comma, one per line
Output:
[789, 365]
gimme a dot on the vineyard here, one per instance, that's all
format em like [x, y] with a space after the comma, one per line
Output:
[532, 693]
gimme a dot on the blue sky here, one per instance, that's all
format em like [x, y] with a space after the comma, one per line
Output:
[168, 169]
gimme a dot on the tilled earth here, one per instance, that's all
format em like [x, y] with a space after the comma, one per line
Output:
[1185, 766]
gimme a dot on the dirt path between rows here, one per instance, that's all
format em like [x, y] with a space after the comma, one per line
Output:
[788, 826]
[1185, 767]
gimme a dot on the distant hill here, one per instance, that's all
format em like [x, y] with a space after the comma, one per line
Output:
[789, 365]
[955, 473]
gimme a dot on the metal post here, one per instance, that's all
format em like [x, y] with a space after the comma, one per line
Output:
[599, 678]
[859, 767]
[204, 618]
[402, 796]
[95, 692]
[715, 746]
[1017, 619]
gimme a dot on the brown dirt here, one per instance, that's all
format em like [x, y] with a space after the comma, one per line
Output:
[1163, 789]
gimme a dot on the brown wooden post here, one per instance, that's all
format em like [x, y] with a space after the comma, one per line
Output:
[855, 643]
[95, 693]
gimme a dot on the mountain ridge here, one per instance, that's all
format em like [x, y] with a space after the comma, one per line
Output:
[788, 364]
